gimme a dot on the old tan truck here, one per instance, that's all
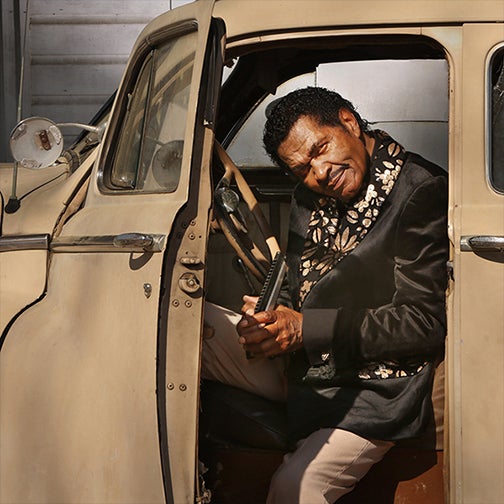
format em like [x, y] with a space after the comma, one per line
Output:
[108, 255]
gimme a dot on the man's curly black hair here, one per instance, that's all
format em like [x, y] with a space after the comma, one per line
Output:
[319, 103]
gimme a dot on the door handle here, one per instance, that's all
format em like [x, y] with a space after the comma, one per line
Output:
[482, 244]
[487, 247]
[138, 242]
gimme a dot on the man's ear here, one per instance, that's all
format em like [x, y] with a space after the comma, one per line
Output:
[349, 122]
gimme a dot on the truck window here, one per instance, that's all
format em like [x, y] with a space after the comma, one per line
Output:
[413, 109]
[496, 120]
[149, 148]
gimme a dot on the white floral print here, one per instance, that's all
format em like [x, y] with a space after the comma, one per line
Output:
[334, 231]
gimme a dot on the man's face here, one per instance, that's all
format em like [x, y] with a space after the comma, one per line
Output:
[330, 160]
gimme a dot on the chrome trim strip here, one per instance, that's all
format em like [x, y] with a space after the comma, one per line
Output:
[127, 242]
[24, 242]
[482, 244]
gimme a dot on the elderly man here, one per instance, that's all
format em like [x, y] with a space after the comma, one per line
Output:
[367, 259]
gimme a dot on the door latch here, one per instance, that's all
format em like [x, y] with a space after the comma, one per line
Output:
[189, 283]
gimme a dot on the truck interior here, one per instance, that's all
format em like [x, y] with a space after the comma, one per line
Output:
[399, 84]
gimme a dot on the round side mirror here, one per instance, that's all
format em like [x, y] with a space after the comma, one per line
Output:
[36, 143]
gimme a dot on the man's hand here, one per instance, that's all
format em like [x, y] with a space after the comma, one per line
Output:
[269, 333]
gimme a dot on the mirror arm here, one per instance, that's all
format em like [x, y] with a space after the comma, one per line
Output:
[93, 129]
[14, 203]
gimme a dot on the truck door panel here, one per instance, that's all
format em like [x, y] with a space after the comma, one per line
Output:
[99, 355]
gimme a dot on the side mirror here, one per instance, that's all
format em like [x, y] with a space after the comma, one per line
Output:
[36, 143]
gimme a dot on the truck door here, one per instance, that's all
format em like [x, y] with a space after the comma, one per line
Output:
[477, 349]
[99, 380]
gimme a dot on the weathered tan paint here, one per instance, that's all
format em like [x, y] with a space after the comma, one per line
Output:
[84, 406]
[23, 274]
[479, 294]
[102, 403]
[79, 370]
[261, 16]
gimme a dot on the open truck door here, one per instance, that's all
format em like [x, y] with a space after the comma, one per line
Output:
[100, 389]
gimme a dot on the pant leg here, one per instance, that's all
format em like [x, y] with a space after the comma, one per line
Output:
[325, 466]
[223, 358]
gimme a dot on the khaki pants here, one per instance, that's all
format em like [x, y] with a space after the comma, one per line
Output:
[325, 465]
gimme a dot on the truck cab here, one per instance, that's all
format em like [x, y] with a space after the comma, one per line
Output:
[108, 255]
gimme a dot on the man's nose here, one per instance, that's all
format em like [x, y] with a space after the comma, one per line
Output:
[320, 168]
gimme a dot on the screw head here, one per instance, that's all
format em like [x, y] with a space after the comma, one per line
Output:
[147, 290]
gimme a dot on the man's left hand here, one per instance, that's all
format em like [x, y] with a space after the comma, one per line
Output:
[272, 332]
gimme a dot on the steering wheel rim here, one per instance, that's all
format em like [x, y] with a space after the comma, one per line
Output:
[246, 249]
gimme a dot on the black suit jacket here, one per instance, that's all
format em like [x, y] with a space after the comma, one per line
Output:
[384, 301]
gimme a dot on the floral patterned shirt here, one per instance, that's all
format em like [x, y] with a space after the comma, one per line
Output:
[335, 230]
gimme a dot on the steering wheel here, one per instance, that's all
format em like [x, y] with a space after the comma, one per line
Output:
[232, 222]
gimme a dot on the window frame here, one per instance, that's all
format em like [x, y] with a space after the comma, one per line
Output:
[121, 106]
[495, 52]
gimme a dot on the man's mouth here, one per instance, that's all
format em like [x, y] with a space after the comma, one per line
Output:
[335, 175]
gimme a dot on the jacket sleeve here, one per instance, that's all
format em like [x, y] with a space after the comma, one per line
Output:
[413, 325]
